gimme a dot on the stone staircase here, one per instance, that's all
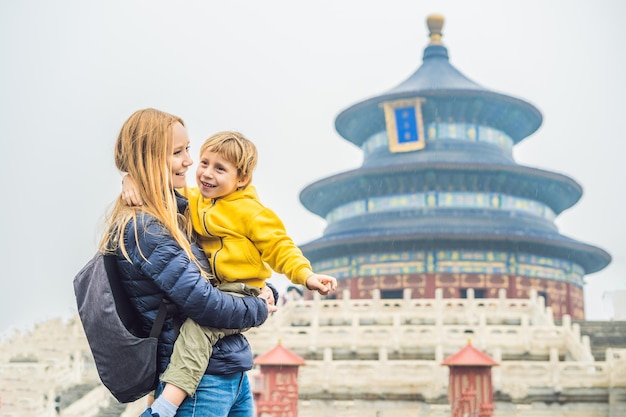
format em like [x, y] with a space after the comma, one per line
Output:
[604, 335]
[68, 396]
[114, 409]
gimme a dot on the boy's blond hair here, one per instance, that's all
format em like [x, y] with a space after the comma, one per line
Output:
[236, 149]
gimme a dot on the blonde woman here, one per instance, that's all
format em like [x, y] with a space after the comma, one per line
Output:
[156, 259]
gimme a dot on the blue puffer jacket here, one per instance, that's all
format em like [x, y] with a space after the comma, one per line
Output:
[170, 273]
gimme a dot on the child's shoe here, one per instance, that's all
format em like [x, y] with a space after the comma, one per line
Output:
[148, 413]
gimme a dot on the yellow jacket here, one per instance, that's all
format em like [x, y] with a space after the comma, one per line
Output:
[245, 240]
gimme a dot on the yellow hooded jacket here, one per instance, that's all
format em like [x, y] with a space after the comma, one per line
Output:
[244, 240]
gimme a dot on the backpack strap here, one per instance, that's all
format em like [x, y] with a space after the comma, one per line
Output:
[160, 319]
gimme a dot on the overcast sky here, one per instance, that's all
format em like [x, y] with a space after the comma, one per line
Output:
[280, 71]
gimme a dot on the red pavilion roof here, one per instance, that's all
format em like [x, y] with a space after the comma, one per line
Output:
[469, 356]
[279, 355]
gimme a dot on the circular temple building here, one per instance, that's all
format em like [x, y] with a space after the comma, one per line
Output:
[439, 201]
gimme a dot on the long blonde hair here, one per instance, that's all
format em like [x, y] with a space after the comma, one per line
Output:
[141, 150]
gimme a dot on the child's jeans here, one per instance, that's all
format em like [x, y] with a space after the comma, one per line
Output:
[219, 396]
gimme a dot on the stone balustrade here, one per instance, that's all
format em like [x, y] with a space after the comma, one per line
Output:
[435, 311]
[413, 328]
[427, 379]
[357, 351]
[393, 349]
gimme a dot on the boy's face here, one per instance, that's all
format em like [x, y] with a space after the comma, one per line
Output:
[216, 176]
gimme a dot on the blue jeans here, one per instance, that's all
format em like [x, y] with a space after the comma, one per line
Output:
[219, 396]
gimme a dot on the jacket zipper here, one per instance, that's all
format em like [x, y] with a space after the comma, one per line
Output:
[213, 260]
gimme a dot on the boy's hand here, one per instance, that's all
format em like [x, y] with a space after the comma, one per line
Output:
[323, 284]
[130, 194]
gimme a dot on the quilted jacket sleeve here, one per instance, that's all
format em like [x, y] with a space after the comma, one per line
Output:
[166, 269]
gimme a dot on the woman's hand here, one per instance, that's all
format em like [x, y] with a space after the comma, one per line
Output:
[268, 295]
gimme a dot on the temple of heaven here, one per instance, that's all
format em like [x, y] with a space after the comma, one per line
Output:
[439, 201]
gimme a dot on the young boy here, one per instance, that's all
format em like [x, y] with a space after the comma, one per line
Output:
[243, 241]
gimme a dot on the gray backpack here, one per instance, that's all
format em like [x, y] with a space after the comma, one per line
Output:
[125, 358]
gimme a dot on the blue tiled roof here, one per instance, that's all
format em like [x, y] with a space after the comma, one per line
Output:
[436, 73]
[557, 191]
[446, 231]
[442, 85]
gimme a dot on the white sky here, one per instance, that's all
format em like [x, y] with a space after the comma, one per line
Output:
[280, 71]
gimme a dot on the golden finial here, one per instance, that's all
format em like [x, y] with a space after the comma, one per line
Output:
[435, 24]
[469, 340]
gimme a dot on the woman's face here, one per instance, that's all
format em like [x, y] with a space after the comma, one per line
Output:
[179, 159]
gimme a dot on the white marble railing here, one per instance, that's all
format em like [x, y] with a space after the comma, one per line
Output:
[414, 338]
[435, 311]
[616, 359]
[429, 378]
[560, 358]
[363, 378]
[376, 330]
[419, 326]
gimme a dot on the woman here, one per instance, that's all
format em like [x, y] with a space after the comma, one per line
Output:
[155, 259]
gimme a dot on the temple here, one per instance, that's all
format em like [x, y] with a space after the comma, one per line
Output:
[438, 239]
[439, 201]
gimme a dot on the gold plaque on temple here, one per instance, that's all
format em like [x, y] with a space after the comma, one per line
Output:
[405, 127]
